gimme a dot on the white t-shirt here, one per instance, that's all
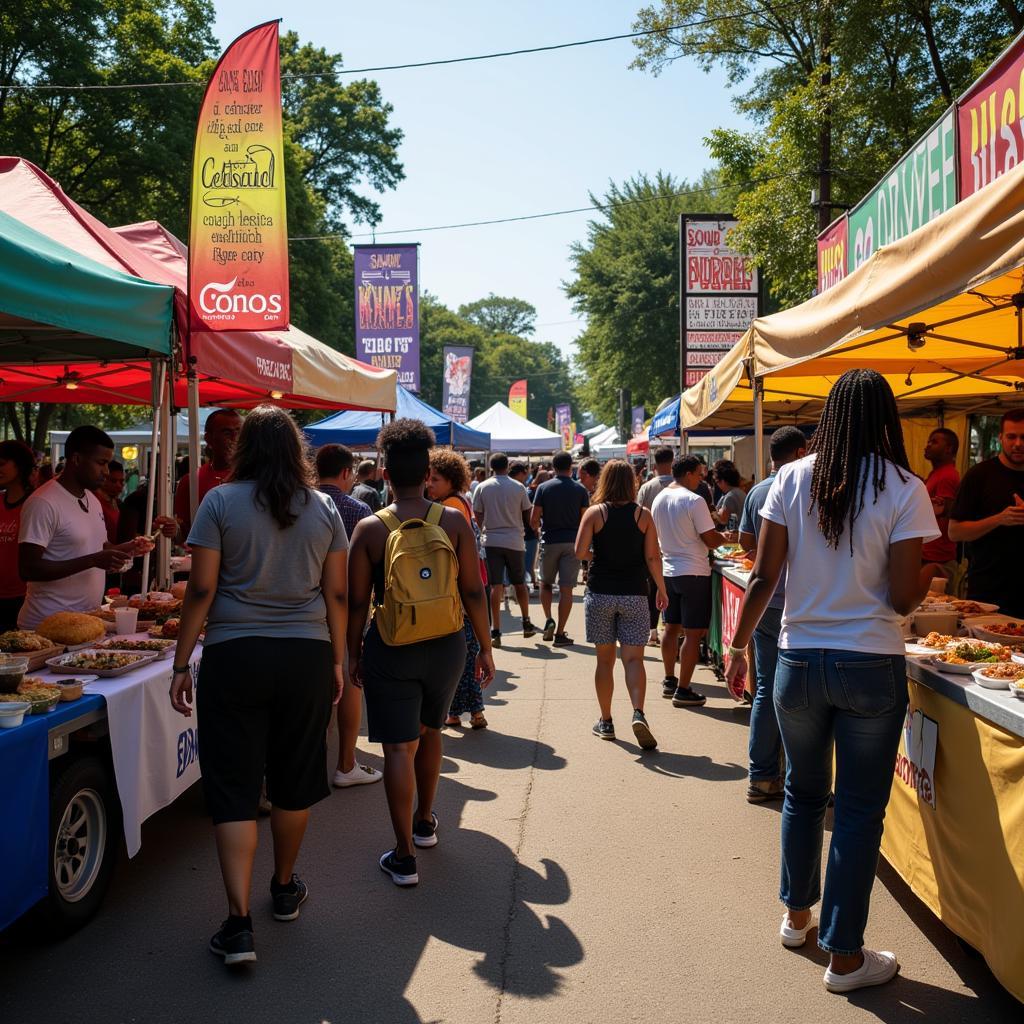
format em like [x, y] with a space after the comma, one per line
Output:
[680, 517]
[502, 502]
[53, 519]
[835, 600]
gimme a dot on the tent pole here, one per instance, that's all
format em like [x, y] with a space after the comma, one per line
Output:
[759, 429]
[159, 369]
[193, 442]
[166, 501]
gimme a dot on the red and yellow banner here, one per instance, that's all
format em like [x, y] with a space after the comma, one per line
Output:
[238, 236]
[517, 398]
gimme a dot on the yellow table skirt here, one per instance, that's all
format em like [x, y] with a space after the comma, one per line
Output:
[964, 856]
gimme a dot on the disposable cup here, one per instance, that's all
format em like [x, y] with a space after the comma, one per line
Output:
[938, 585]
[126, 620]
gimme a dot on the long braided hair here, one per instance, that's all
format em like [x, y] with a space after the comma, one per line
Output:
[859, 431]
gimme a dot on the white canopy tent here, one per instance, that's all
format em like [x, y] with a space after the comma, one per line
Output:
[513, 434]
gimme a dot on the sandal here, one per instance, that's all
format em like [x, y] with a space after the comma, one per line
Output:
[477, 720]
[453, 721]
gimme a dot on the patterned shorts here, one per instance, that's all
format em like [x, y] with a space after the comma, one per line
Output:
[614, 617]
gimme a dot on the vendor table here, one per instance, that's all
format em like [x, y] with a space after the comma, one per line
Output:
[154, 752]
[954, 826]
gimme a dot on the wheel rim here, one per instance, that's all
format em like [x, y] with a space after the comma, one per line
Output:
[78, 849]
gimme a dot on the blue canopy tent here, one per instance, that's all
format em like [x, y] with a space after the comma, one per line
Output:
[360, 429]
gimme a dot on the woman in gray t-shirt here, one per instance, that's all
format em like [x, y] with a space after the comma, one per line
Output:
[269, 577]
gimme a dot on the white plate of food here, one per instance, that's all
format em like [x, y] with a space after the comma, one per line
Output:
[971, 609]
[964, 657]
[1009, 632]
[916, 649]
[138, 645]
[99, 663]
[999, 677]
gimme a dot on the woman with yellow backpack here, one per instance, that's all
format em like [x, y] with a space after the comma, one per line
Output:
[417, 562]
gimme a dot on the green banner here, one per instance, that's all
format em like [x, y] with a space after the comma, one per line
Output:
[920, 187]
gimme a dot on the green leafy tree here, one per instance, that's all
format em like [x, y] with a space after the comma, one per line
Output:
[547, 372]
[498, 314]
[626, 284]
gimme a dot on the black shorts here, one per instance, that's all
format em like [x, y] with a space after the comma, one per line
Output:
[689, 601]
[264, 705]
[409, 686]
[501, 559]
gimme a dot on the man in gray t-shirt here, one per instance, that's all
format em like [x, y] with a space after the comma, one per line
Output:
[663, 477]
[502, 509]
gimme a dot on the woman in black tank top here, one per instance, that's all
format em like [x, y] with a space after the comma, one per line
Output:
[619, 539]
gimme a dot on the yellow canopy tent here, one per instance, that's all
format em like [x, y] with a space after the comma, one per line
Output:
[938, 312]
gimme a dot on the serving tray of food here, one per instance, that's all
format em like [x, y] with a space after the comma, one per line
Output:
[38, 649]
[100, 663]
[138, 645]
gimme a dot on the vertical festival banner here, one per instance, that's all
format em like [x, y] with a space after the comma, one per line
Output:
[388, 309]
[563, 421]
[833, 243]
[637, 420]
[458, 378]
[517, 398]
[238, 237]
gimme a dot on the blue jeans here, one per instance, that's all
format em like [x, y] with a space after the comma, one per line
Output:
[531, 559]
[765, 743]
[857, 702]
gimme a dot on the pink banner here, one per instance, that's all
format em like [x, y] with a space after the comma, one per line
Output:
[833, 246]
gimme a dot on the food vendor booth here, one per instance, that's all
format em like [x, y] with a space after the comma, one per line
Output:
[939, 313]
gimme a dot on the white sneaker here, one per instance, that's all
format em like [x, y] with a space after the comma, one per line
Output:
[361, 775]
[877, 969]
[794, 938]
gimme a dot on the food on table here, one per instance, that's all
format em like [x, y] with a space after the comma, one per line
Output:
[12, 670]
[94, 661]
[160, 611]
[12, 698]
[23, 641]
[1012, 629]
[178, 590]
[71, 628]
[42, 696]
[159, 646]
[939, 641]
[970, 652]
[968, 608]
[747, 565]
[167, 631]
[70, 689]
[1003, 671]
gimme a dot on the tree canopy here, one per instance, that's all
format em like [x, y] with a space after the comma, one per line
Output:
[498, 314]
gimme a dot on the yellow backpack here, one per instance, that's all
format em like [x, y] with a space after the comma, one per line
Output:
[421, 588]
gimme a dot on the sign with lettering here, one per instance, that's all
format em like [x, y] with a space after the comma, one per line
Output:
[712, 265]
[919, 188]
[990, 117]
[833, 244]
[732, 602]
[387, 310]
[720, 312]
[238, 237]
[563, 419]
[517, 395]
[458, 377]
[915, 759]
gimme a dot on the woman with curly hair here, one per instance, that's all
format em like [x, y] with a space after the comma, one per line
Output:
[448, 483]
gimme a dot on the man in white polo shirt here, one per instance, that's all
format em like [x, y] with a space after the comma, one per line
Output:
[686, 534]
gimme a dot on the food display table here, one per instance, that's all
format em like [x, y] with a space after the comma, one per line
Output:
[954, 826]
[155, 757]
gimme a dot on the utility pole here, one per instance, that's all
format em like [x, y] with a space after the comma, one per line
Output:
[825, 128]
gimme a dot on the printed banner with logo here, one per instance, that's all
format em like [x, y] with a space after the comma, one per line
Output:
[238, 235]
[458, 378]
[833, 244]
[517, 398]
[636, 420]
[563, 425]
[387, 309]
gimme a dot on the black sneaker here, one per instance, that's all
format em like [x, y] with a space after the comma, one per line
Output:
[668, 687]
[288, 898]
[688, 697]
[642, 732]
[549, 630]
[603, 727]
[495, 637]
[529, 629]
[401, 869]
[424, 833]
[235, 942]
[563, 640]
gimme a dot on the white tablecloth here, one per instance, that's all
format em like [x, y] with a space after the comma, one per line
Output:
[155, 750]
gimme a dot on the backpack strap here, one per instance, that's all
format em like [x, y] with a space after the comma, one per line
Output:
[389, 519]
[434, 514]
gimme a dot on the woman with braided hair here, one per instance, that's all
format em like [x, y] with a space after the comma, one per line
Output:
[847, 522]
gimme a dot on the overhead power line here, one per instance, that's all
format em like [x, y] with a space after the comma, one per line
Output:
[699, 23]
[552, 213]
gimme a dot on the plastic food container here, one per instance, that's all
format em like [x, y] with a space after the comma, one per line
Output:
[12, 670]
[12, 713]
[936, 622]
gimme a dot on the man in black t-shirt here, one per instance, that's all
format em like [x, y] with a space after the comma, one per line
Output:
[988, 514]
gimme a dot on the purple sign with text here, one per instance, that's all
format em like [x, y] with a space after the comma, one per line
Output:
[458, 377]
[388, 310]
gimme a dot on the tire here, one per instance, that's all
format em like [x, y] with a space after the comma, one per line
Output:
[85, 838]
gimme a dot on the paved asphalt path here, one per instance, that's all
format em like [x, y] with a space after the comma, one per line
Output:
[575, 880]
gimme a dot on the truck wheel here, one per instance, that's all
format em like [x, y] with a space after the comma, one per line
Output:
[84, 842]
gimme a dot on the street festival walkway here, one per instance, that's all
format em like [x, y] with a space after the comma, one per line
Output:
[575, 880]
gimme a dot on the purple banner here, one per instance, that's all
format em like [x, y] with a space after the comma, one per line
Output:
[387, 310]
[637, 420]
[458, 377]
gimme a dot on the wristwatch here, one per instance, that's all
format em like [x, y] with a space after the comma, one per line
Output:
[179, 669]
[735, 652]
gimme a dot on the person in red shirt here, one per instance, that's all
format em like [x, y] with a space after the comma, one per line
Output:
[17, 463]
[221, 436]
[109, 494]
[942, 484]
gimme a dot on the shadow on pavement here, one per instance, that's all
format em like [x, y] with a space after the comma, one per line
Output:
[499, 750]
[681, 766]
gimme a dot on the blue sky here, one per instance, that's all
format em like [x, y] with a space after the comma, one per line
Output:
[507, 137]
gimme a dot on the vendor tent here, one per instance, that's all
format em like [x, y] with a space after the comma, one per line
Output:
[513, 433]
[239, 368]
[360, 429]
